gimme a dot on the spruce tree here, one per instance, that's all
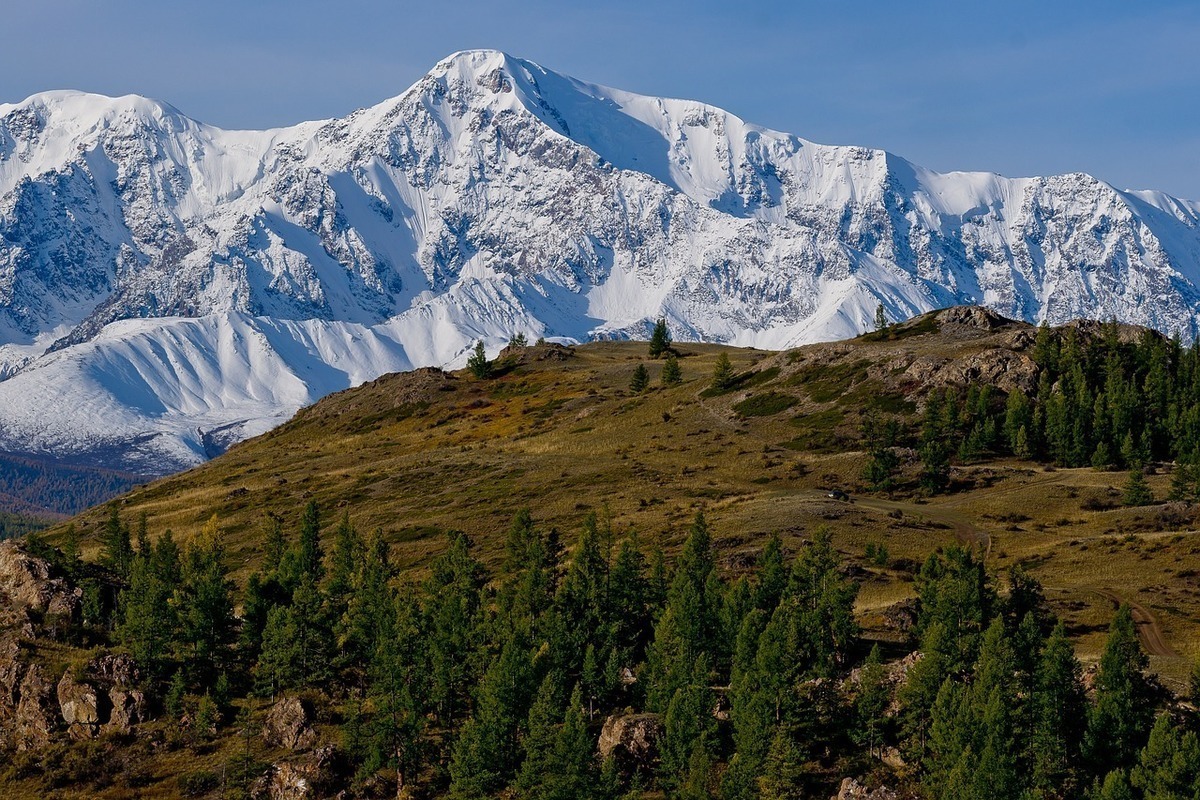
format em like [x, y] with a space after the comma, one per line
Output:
[1137, 491]
[881, 319]
[660, 339]
[541, 734]
[722, 376]
[571, 769]
[671, 373]
[478, 362]
[640, 379]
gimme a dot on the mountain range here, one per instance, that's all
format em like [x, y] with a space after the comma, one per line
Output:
[168, 288]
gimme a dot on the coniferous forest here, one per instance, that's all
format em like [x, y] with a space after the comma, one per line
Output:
[473, 684]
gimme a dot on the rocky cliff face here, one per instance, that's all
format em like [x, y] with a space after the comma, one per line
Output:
[191, 286]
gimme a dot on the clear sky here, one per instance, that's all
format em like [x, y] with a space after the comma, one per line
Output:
[1018, 87]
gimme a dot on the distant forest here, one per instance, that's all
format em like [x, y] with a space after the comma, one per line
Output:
[32, 486]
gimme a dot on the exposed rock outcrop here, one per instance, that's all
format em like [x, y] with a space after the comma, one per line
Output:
[631, 738]
[80, 706]
[289, 724]
[37, 716]
[297, 780]
[26, 583]
[853, 790]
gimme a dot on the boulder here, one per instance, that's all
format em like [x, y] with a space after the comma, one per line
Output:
[80, 705]
[26, 582]
[289, 724]
[631, 738]
[853, 790]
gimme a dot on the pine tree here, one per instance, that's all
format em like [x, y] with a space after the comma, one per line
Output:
[478, 362]
[1169, 765]
[1123, 712]
[872, 702]
[147, 622]
[1115, 787]
[540, 737]
[722, 377]
[782, 776]
[660, 339]
[204, 598]
[452, 625]
[688, 724]
[116, 549]
[571, 770]
[640, 379]
[1059, 711]
[881, 468]
[935, 467]
[671, 373]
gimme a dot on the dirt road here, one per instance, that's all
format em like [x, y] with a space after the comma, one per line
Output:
[1151, 635]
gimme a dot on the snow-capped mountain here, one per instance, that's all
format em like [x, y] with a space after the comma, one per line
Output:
[167, 287]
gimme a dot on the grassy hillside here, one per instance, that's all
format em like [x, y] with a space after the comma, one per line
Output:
[559, 431]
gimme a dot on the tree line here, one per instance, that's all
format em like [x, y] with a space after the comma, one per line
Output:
[1100, 400]
[471, 683]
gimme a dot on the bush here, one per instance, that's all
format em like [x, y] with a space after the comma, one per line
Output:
[195, 784]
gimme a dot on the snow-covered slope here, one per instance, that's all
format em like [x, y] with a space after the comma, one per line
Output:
[167, 287]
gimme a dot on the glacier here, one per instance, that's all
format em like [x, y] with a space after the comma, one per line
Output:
[168, 288]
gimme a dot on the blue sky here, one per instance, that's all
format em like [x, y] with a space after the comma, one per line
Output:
[1017, 87]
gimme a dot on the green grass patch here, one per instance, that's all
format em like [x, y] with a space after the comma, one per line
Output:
[765, 404]
[818, 433]
[826, 383]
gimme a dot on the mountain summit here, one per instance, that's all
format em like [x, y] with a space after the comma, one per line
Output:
[168, 288]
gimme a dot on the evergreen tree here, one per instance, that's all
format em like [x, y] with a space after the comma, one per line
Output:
[452, 625]
[1115, 787]
[640, 379]
[478, 362]
[880, 471]
[1120, 719]
[722, 377]
[1137, 491]
[688, 724]
[671, 372]
[541, 734]
[881, 320]
[1169, 765]
[1059, 713]
[872, 702]
[660, 339]
[116, 549]
[689, 627]
[572, 772]
[147, 623]
[783, 773]
[344, 565]
[204, 597]
[935, 467]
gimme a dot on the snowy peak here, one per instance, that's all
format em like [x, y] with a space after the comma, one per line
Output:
[193, 284]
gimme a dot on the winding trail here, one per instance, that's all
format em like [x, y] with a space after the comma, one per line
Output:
[1151, 635]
